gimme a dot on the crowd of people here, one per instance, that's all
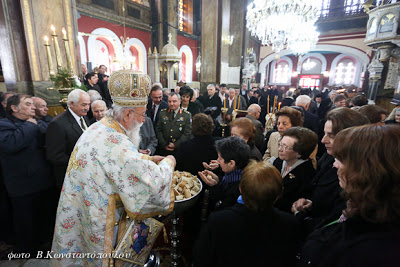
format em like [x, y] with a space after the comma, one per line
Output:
[320, 188]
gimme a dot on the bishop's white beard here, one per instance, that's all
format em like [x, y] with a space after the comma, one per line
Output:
[134, 134]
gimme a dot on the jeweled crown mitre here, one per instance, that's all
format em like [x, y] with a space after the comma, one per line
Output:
[129, 88]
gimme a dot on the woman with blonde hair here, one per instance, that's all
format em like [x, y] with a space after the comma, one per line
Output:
[244, 128]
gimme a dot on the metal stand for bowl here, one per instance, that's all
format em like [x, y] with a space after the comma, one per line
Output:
[174, 235]
[180, 207]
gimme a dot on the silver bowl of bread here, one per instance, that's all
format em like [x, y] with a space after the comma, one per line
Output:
[187, 188]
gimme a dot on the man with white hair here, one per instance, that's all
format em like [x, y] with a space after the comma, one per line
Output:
[64, 130]
[106, 168]
[211, 100]
[99, 108]
[253, 113]
[311, 120]
[94, 95]
[234, 101]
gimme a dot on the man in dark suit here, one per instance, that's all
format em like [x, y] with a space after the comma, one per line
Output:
[99, 109]
[211, 99]
[248, 96]
[155, 104]
[63, 132]
[253, 113]
[261, 101]
[27, 174]
[41, 110]
[311, 121]
[84, 72]
[103, 84]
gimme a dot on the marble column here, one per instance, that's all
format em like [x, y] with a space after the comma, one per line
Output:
[165, 21]
[172, 25]
[24, 26]
[237, 25]
[225, 46]
[13, 52]
[210, 41]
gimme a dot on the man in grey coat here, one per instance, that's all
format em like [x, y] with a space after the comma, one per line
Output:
[148, 139]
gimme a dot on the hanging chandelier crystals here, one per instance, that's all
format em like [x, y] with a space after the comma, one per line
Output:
[303, 38]
[277, 22]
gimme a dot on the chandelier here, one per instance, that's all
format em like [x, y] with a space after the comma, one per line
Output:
[280, 22]
[303, 38]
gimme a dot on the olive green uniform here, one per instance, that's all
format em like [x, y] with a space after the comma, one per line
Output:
[174, 130]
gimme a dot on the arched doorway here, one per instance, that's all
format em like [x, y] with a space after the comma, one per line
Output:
[137, 50]
[186, 64]
[99, 40]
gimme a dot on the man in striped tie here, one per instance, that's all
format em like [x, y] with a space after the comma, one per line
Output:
[64, 130]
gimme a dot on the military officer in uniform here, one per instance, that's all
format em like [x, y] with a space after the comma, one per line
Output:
[173, 127]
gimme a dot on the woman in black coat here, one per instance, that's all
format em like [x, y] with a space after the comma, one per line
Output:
[201, 148]
[252, 232]
[324, 202]
[295, 165]
[368, 231]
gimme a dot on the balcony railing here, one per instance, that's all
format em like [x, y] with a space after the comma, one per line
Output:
[350, 8]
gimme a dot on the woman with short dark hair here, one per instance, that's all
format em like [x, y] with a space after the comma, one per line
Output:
[368, 232]
[233, 157]
[295, 164]
[186, 96]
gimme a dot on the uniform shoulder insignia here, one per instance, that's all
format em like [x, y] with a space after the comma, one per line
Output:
[185, 111]
[164, 109]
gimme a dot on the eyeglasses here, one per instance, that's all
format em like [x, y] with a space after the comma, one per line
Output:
[284, 147]
[143, 115]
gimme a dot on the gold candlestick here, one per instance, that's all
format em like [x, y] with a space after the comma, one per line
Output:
[268, 106]
[49, 59]
[224, 110]
[279, 106]
[223, 124]
[57, 49]
[67, 51]
[273, 109]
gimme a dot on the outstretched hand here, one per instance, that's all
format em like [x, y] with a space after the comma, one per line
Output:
[209, 177]
[211, 166]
